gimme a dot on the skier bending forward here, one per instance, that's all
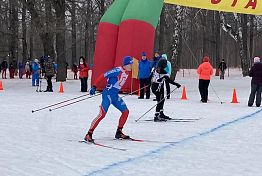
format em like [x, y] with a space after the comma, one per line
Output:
[116, 78]
[159, 77]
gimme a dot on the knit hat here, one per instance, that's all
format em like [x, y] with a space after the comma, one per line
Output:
[206, 59]
[164, 56]
[143, 54]
[256, 59]
[162, 63]
[127, 60]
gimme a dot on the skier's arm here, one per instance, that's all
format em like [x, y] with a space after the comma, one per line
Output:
[172, 82]
[98, 80]
[92, 91]
[112, 73]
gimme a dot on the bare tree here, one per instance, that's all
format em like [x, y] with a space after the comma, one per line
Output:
[59, 6]
[14, 29]
[24, 29]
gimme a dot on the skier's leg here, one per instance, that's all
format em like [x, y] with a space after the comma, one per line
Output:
[167, 89]
[106, 101]
[121, 106]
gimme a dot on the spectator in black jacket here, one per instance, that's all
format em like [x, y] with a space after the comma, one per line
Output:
[256, 83]
[11, 70]
[49, 73]
[222, 68]
[4, 66]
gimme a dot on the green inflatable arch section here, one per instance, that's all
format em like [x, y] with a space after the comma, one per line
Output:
[144, 10]
[114, 14]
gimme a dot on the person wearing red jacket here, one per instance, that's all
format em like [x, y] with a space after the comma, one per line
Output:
[205, 71]
[83, 75]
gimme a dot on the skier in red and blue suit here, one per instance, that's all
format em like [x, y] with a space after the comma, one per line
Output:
[116, 78]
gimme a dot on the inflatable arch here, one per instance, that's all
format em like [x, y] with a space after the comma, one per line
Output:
[128, 28]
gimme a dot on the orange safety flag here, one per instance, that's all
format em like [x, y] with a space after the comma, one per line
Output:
[236, 6]
[135, 68]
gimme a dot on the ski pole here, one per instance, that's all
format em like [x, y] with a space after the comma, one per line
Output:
[40, 109]
[155, 105]
[134, 91]
[216, 94]
[58, 103]
[74, 102]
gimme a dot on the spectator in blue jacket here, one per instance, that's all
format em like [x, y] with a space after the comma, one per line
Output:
[168, 69]
[35, 73]
[21, 68]
[143, 75]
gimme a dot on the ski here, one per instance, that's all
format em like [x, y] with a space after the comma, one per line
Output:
[172, 120]
[102, 145]
[143, 140]
[131, 139]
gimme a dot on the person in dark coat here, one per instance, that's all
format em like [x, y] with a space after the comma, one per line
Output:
[21, 69]
[4, 66]
[144, 71]
[11, 70]
[15, 65]
[222, 68]
[75, 70]
[49, 73]
[256, 83]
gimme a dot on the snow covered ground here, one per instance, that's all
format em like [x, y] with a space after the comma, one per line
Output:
[226, 141]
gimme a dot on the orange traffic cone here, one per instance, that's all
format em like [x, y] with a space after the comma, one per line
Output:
[234, 98]
[1, 85]
[184, 94]
[61, 89]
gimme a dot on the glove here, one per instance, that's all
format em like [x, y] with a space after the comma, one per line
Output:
[161, 79]
[178, 85]
[92, 90]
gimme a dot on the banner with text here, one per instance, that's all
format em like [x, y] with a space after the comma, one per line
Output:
[236, 6]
